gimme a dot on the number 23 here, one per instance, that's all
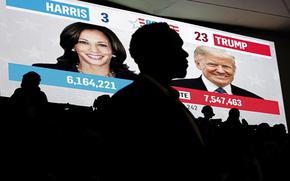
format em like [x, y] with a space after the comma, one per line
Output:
[201, 36]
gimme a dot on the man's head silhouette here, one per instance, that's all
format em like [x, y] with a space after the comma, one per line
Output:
[207, 111]
[158, 51]
[234, 113]
[30, 80]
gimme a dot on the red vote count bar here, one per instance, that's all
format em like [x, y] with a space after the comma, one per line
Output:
[194, 96]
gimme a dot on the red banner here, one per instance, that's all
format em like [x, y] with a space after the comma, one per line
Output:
[242, 45]
[194, 96]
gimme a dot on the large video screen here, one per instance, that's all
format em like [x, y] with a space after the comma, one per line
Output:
[51, 38]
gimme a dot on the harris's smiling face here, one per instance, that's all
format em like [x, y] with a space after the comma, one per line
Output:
[94, 48]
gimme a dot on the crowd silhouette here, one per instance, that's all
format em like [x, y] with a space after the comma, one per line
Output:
[64, 142]
[142, 132]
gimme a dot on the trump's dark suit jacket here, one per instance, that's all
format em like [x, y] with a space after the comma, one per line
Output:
[197, 83]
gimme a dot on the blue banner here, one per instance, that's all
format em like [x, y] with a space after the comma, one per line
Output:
[69, 79]
[52, 7]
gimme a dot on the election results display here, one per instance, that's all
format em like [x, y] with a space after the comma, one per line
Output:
[30, 33]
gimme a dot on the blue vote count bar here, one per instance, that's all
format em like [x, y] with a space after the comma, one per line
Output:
[69, 79]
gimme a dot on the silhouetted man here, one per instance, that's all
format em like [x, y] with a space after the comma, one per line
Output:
[100, 102]
[29, 100]
[150, 135]
[28, 134]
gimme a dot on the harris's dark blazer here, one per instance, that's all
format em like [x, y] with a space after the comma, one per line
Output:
[122, 73]
[197, 83]
[57, 66]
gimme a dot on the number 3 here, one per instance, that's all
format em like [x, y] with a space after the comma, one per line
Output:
[105, 18]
